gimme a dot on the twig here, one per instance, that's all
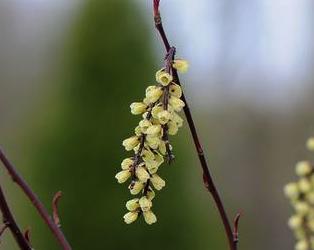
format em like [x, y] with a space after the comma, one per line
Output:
[17, 178]
[9, 221]
[27, 235]
[2, 230]
[207, 178]
[55, 212]
[236, 228]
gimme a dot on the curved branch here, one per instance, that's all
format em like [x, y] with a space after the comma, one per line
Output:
[207, 178]
[10, 223]
[17, 178]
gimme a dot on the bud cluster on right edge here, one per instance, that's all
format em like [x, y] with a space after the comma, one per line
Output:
[301, 196]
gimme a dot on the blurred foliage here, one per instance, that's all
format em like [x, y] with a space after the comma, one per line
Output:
[77, 135]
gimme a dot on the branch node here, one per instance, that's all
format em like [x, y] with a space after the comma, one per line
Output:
[27, 235]
[55, 211]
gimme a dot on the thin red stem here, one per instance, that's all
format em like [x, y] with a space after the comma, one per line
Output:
[9, 222]
[17, 178]
[207, 178]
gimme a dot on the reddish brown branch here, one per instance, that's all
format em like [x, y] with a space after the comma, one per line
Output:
[207, 178]
[236, 227]
[55, 212]
[10, 222]
[17, 178]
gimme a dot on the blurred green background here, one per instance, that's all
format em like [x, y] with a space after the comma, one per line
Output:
[68, 74]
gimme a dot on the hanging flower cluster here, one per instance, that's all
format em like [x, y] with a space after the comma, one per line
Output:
[150, 144]
[301, 195]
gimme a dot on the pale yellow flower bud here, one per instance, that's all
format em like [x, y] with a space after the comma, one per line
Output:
[310, 197]
[145, 204]
[142, 174]
[303, 168]
[310, 144]
[301, 207]
[150, 194]
[159, 159]
[136, 187]
[127, 163]
[144, 125]
[153, 93]
[123, 176]
[162, 147]
[302, 245]
[177, 119]
[130, 143]
[138, 131]
[304, 185]
[150, 217]
[130, 217]
[164, 116]
[157, 182]
[153, 130]
[172, 128]
[175, 90]
[176, 103]
[311, 225]
[163, 77]
[133, 204]
[147, 155]
[156, 110]
[291, 190]
[152, 141]
[138, 108]
[152, 166]
[295, 222]
[181, 65]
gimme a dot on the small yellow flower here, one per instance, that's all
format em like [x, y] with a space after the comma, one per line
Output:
[152, 166]
[303, 168]
[123, 176]
[181, 65]
[163, 78]
[301, 207]
[302, 245]
[133, 204]
[150, 194]
[153, 93]
[153, 130]
[156, 110]
[157, 182]
[130, 143]
[136, 187]
[142, 174]
[304, 185]
[148, 155]
[152, 141]
[175, 90]
[177, 119]
[164, 116]
[295, 221]
[138, 108]
[310, 144]
[176, 103]
[130, 217]
[127, 163]
[162, 148]
[144, 125]
[150, 217]
[291, 190]
[145, 204]
[172, 128]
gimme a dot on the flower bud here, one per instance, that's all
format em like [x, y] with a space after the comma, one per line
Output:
[156, 110]
[127, 163]
[152, 141]
[302, 245]
[153, 130]
[136, 187]
[164, 116]
[153, 93]
[291, 190]
[163, 77]
[310, 144]
[295, 222]
[144, 125]
[175, 90]
[133, 204]
[150, 194]
[142, 174]
[138, 108]
[303, 168]
[145, 204]
[130, 217]
[147, 155]
[301, 207]
[123, 176]
[304, 185]
[172, 128]
[181, 65]
[157, 182]
[150, 217]
[130, 143]
[176, 103]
